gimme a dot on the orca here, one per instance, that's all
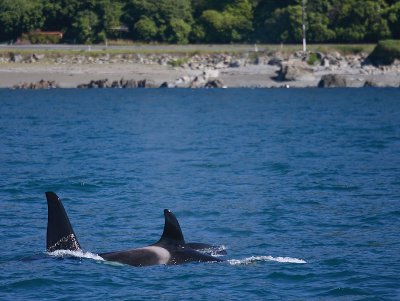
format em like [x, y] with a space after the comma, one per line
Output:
[171, 249]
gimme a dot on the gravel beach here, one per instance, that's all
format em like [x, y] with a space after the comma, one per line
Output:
[244, 69]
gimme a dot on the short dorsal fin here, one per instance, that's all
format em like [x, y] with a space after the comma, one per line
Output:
[60, 235]
[172, 229]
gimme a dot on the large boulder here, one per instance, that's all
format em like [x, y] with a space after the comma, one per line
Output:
[128, 83]
[198, 82]
[372, 83]
[275, 61]
[294, 70]
[332, 81]
[237, 63]
[208, 76]
[183, 81]
[146, 83]
[16, 58]
[166, 85]
[100, 83]
[103, 83]
[42, 84]
[334, 58]
[214, 83]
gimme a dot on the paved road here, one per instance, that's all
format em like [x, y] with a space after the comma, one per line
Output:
[138, 47]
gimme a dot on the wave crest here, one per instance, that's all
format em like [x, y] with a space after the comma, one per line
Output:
[78, 254]
[214, 250]
[255, 259]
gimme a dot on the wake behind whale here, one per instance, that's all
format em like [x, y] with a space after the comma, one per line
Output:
[257, 259]
[244, 261]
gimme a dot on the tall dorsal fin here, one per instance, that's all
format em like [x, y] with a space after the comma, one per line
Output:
[60, 235]
[172, 229]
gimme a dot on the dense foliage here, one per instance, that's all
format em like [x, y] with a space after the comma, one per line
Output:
[203, 21]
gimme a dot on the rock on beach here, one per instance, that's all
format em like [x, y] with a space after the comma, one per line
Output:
[332, 81]
[42, 84]
[261, 69]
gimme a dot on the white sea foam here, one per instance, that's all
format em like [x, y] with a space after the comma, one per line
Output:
[254, 259]
[78, 254]
[244, 261]
[215, 251]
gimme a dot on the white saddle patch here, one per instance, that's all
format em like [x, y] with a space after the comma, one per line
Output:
[163, 254]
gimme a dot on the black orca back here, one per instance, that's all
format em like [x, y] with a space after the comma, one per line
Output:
[60, 235]
[171, 249]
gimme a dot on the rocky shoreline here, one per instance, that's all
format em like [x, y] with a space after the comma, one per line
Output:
[219, 70]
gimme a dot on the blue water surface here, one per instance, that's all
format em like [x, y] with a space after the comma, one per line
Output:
[301, 186]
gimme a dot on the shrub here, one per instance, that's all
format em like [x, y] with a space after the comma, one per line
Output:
[146, 29]
[385, 52]
[85, 27]
[178, 62]
[179, 31]
[313, 59]
[38, 37]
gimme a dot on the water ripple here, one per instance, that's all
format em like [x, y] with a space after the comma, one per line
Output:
[309, 177]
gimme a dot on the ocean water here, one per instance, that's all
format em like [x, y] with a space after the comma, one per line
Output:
[302, 188]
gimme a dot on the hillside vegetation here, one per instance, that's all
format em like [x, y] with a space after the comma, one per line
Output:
[200, 21]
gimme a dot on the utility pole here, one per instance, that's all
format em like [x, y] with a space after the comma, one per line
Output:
[304, 25]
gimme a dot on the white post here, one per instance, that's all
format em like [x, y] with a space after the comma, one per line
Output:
[304, 25]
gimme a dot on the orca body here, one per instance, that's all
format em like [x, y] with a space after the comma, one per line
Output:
[170, 249]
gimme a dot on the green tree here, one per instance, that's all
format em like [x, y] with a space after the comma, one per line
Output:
[85, 27]
[181, 21]
[110, 13]
[19, 16]
[318, 22]
[69, 16]
[318, 29]
[60, 14]
[393, 17]
[281, 21]
[173, 19]
[278, 21]
[327, 20]
[284, 24]
[179, 31]
[146, 29]
[234, 23]
[359, 20]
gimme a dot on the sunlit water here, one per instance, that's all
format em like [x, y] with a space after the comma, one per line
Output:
[301, 187]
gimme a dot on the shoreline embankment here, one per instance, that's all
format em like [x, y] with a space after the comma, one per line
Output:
[152, 67]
